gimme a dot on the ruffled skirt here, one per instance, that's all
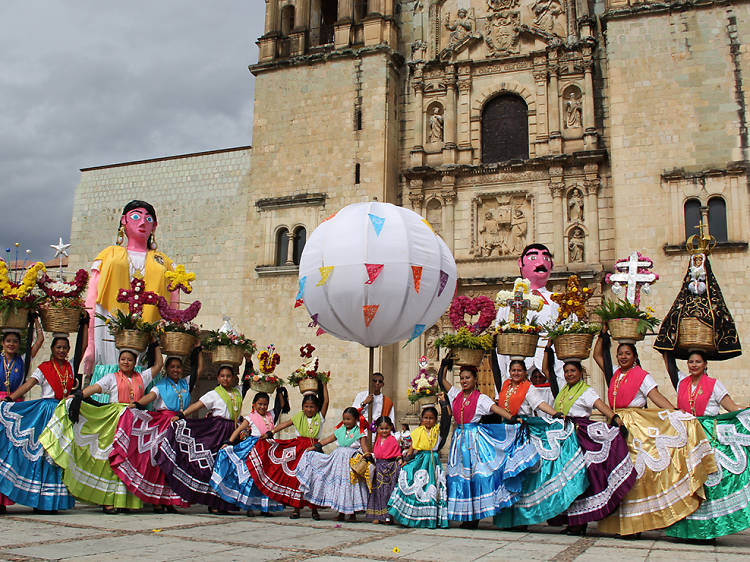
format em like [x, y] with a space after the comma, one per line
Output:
[187, 454]
[419, 498]
[325, 480]
[273, 467]
[555, 482]
[673, 459]
[134, 453]
[727, 506]
[231, 479]
[27, 475]
[82, 451]
[485, 469]
[384, 481]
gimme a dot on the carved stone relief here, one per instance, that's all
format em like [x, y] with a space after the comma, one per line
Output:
[462, 30]
[502, 224]
[546, 14]
[430, 350]
[501, 31]
[576, 243]
[575, 205]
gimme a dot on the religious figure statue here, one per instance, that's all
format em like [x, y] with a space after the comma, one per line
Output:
[573, 110]
[436, 126]
[575, 246]
[430, 350]
[112, 270]
[575, 205]
[546, 13]
[697, 273]
[518, 230]
[493, 236]
[461, 29]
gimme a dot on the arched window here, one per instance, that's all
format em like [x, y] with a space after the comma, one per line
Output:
[287, 20]
[717, 219]
[692, 217]
[282, 246]
[505, 129]
[300, 237]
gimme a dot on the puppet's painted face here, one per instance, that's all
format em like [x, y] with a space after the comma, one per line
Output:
[536, 266]
[138, 223]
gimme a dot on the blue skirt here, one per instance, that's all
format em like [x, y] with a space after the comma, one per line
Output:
[485, 469]
[550, 487]
[27, 474]
[418, 500]
[232, 482]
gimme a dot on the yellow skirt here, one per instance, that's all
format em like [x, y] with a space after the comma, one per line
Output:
[673, 459]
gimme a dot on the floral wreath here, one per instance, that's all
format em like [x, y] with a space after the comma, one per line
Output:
[462, 305]
[61, 289]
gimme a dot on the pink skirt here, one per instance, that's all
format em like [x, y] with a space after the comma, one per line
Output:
[134, 453]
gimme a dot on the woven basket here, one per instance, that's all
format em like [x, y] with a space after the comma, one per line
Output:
[177, 344]
[63, 320]
[625, 330]
[264, 386]
[227, 355]
[465, 356]
[360, 467]
[17, 319]
[424, 401]
[573, 346]
[517, 345]
[308, 384]
[131, 339]
[694, 334]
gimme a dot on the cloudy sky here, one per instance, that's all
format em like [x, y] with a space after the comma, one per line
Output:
[92, 82]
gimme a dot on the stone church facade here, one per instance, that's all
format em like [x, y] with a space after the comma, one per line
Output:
[596, 128]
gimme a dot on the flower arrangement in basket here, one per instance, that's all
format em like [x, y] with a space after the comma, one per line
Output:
[265, 380]
[130, 330]
[423, 388]
[470, 341]
[228, 346]
[16, 298]
[62, 307]
[572, 333]
[178, 332]
[627, 323]
[306, 376]
[518, 335]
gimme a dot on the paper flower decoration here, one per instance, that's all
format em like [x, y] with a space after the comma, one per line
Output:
[463, 305]
[632, 275]
[572, 301]
[175, 314]
[20, 290]
[520, 300]
[137, 296]
[180, 279]
[268, 359]
[306, 350]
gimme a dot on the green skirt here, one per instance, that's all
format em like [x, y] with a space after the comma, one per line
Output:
[82, 451]
[727, 506]
[420, 497]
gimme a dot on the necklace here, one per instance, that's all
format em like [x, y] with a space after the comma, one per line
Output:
[621, 378]
[66, 374]
[8, 367]
[465, 402]
[136, 271]
[178, 391]
[693, 394]
[509, 393]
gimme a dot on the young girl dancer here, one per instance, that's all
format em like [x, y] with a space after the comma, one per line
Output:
[388, 460]
[325, 480]
[273, 462]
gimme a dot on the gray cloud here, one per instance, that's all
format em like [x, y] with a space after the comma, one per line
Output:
[86, 83]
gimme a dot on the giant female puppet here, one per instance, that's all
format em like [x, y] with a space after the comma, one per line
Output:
[112, 270]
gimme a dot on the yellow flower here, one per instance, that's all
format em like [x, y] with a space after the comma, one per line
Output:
[574, 289]
[180, 277]
[565, 315]
[396, 549]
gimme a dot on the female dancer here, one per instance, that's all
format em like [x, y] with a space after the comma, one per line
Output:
[273, 462]
[388, 461]
[26, 476]
[486, 460]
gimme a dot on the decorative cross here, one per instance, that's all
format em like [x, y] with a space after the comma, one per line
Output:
[137, 296]
[522, 301]
[634, 273]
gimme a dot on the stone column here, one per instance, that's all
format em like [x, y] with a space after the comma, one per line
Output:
[590, 140]
[570, 15]
[540, 79]
[448, 197]
[592, 184]
[417, 151]
[463, 112]
[557, 187]
[416, 195]
[555, 138]
[290, 249]
[449, 117]
[272, 16]
[343, 26]
[302, 15]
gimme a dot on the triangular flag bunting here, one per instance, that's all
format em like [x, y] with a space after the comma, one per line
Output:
[373, 270]
[301, 290]
[320, 332]
[298, 303]
[416, 272]
[415, 333]
[369, 310]
[314, 321]
[428, 224]
[329, 218]
[377, 222]
[325, 273]
[443, 282]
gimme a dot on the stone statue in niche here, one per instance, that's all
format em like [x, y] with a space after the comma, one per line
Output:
[503, 228]
[501, 32]
[576, 244]
[418, 50]
[429, 343]
[575, 205]
[435, 133]
[546, 13]
[573, 109]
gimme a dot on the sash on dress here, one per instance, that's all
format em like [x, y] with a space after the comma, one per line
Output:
[169, 394]
[516, 400]
[52, 377]
[126, 386]
[627, 388]
[387, 448]
[464, 408]
[263, 423]
[703, 394]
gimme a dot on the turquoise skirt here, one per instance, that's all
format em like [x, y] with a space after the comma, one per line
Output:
[419, 498]
[553, 484]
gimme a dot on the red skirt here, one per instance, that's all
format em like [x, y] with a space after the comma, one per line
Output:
[134, 453]
[273, 466]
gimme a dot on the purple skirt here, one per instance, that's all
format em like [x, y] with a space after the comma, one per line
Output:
[187, 455]
[610, 471]
[384, 480]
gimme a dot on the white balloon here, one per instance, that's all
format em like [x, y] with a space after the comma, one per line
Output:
[403, 303]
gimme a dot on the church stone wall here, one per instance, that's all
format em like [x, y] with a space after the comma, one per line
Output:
[673, 91]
